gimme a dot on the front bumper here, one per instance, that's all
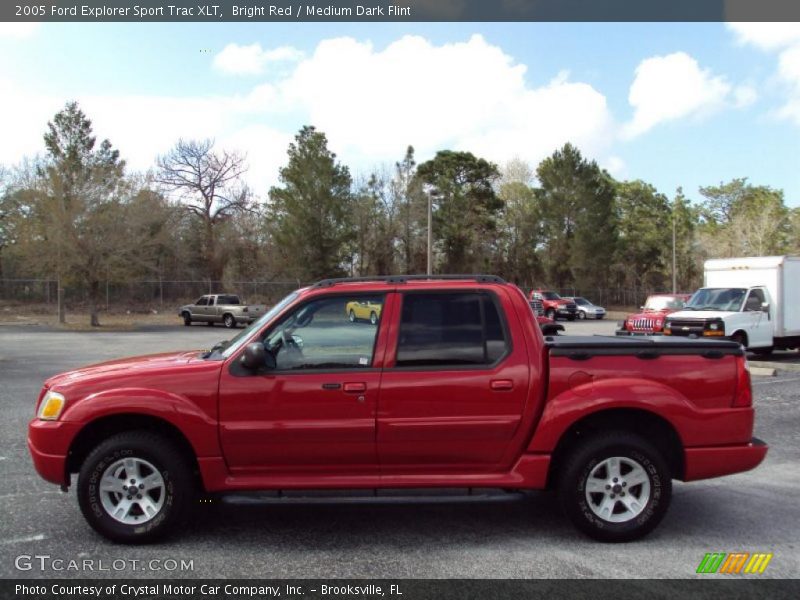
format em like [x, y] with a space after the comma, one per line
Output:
[48, 443]
[634, 333]
[716, 461]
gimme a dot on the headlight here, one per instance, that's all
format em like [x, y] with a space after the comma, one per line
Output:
[713, 326]
[51, 407]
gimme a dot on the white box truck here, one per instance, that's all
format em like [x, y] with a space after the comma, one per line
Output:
[754, 300]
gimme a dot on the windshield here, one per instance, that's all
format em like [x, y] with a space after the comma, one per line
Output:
[550, 296]
[581, 301]
[227, 348]
[725, 299]
[664, 303]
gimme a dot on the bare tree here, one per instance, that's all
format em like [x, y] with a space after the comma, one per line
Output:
[209, 184]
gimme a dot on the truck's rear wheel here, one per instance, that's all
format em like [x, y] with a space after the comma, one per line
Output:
[615, 487]
[229, 321]
[187, 319]
[135, 487]
[550, 314]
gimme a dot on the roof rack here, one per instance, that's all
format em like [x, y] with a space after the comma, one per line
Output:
[406, 278]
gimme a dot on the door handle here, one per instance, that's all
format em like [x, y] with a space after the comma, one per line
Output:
[355, 388]
[331, 386]
[502, 385]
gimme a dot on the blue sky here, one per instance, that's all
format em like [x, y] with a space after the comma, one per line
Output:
[672, 104]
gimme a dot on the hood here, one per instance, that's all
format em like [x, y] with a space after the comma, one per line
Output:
[138, 365]
[700, 315]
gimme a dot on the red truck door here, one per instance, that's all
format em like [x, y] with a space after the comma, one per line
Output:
[316, 411]
[455, 384]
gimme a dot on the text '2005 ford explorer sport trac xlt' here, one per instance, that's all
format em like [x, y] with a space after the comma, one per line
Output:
[453, 386]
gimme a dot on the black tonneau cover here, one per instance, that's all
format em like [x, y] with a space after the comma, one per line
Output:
[580, 347]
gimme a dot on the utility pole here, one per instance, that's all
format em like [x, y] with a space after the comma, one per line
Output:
[430, 231]
[674, 261]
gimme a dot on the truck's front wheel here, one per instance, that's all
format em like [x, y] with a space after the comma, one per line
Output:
[135, 487]
[615, 486]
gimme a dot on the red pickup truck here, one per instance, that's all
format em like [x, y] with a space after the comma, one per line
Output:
[454, 386]
[555, 306]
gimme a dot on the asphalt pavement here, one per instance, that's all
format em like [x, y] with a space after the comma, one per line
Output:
[517, 536]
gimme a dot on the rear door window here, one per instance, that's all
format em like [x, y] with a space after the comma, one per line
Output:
[450, 329]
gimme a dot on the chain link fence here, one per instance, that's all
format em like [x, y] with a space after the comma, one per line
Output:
[141, 295]
[167, 295]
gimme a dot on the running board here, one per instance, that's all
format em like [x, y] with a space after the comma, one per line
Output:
[375, 496]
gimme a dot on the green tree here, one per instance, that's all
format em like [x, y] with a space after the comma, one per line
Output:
[645, 235]
[520, 227]
[78, 205]
[466, 208]
[688, 259]
[376, 227]
[313, 210]
[412, 214]
[576, 199]
[740, 219]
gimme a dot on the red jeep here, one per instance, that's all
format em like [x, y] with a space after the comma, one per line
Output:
[654, 312]
[555, 306]
[453, 386]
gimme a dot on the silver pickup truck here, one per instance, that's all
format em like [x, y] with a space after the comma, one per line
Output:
[220, 308]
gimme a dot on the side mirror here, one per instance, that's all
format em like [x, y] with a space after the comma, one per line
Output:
[765, 307]
[256, 357]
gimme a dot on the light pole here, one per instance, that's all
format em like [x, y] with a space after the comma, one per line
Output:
[674, 266]
[429, 193]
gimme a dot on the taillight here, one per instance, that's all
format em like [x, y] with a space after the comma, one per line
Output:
[744, 391]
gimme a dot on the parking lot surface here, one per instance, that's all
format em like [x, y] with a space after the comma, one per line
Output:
[518, 536]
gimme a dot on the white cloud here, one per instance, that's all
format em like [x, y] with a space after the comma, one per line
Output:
[253, 59]
[372, 103]
[614, 165]
[142, 127]
[466, 95]
[767, 36]
[674, 86]
[783, 38]
[18, 31]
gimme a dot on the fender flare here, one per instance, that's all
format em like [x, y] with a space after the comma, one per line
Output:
[198, 427]
[591, 398]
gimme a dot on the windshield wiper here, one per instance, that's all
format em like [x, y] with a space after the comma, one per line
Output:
[218, 346]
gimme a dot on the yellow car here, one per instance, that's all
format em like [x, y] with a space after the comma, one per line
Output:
[365, 310]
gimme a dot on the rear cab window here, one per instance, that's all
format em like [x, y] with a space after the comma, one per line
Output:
[451, 329]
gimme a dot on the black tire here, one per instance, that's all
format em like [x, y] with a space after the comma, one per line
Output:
[589, 456]
[352, 316]
[210, 323]
[176, 472]
[187, 319]
[581, 315]
[571, 318]
[550, 314]
[229, 321]
[373, 318]
[740, 338]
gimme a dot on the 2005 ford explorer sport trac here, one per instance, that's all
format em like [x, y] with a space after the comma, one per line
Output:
[453, 386]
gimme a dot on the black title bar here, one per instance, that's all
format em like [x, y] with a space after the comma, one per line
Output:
[398, 10]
